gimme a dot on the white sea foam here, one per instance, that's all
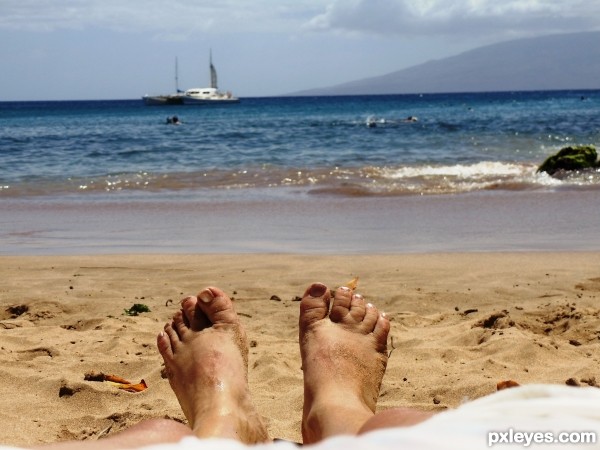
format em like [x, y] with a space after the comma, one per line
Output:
[456, 178]
[464, 171]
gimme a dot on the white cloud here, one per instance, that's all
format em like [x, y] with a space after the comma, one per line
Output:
[180, 19]
[458, 17]
[169, 17]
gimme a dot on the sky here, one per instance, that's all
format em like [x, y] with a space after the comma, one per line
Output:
[109, 49]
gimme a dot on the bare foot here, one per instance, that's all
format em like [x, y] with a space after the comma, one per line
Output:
[205, 350]
[343, 357]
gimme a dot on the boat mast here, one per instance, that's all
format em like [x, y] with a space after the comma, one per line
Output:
[213, 72]
[176, 76]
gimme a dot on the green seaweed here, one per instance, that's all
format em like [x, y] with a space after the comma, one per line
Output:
[136, 309]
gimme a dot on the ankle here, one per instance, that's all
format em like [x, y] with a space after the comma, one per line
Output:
[330, 418]
[246, 427]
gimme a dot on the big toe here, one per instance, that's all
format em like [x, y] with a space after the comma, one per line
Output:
[216, 306]
[314, 305]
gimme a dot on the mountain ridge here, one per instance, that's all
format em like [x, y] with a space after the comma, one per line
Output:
[551, 62]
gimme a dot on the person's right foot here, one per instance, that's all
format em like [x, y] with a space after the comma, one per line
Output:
[205, 350]
[343, 358]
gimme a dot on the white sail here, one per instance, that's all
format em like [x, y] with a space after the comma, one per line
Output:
[213, 74]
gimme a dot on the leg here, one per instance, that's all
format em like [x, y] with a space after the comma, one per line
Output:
[395, 417]
[344, 358]
[148, 432]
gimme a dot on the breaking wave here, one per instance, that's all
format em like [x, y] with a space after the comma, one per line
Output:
[360, 181]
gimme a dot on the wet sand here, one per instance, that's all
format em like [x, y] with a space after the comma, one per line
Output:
[485, 221]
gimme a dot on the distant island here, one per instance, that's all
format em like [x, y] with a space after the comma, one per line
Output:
[555, 62]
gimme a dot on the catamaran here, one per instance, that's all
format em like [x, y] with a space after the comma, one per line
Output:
[209, 94]
[170, 99]
[194, 96]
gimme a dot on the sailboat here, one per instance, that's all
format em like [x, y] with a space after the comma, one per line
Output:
[209, 94]
[170, 99]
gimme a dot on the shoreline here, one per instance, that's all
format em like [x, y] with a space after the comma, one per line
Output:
[489, 221]
[461, 322]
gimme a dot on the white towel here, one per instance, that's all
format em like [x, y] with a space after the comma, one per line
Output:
[533, 416]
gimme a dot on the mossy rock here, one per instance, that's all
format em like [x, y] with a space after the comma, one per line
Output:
[571, 158]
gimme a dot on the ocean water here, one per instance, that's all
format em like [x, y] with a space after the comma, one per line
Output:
[301, 175]
[288, 146]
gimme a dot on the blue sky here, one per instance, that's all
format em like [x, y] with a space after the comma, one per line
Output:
[109, 49]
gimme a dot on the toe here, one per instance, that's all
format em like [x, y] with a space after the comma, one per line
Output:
[314, 305]
[180, 329]
[371, 317]
[165, 341]
[193, 316]
[188, 306]
[164, 345]
[381, 331]
[216, 307]
[358, 308]
[342, 302]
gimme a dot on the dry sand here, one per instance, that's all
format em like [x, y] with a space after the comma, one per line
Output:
[460, 324]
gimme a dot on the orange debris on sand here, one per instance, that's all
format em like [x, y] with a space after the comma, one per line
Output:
[116, 381]
[129, 387]
[506, 384]
[352, 284]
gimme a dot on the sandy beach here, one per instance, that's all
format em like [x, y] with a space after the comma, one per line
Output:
[461, 322]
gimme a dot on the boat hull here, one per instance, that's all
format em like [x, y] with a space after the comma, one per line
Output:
[162, 100]
[208, 101]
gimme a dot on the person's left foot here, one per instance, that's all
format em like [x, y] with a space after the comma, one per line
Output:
[205, 350]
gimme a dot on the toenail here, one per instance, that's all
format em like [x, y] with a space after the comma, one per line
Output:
[206, 296]
[317, 290]
[345, 289]
[369, 305]
[358, 296]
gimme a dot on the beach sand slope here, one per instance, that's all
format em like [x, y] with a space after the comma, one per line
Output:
[460, 324]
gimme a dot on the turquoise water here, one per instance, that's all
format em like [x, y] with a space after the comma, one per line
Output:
[285, 146]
